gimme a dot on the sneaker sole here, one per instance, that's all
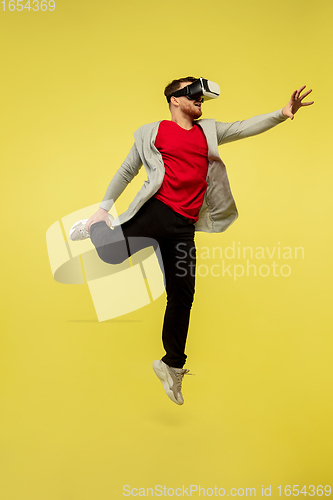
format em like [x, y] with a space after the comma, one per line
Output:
[163, 377]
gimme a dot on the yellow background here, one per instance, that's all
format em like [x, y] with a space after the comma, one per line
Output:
[82, 413]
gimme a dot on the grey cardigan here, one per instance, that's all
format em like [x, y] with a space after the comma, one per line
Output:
[218, 210]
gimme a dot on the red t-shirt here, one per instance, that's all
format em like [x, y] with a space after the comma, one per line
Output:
[184, 154]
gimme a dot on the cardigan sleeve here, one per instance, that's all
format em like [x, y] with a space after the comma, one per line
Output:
[127, 171]
[229, 132]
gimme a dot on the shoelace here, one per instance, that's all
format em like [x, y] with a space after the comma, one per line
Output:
[83, 231]
[180, 376]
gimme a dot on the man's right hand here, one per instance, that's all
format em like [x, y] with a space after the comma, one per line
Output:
[100, 215]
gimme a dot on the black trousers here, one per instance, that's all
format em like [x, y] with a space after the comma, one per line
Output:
[157, 225]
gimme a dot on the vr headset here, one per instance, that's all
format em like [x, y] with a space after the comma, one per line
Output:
[200, 88]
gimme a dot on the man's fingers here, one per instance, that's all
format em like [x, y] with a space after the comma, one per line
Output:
[306, 93]
[89, 222]
[307, 103]
[298, 92]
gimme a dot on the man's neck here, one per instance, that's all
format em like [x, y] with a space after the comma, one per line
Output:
[184, 122]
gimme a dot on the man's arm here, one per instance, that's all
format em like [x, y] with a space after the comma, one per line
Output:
[128, 170]
[228, 132]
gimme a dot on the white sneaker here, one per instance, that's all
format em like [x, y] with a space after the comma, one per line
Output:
[78, 230]
[171, 379]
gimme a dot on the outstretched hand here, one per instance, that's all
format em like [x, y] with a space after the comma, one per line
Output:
[296, 102]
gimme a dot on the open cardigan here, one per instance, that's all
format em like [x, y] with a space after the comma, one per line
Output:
[218, 210]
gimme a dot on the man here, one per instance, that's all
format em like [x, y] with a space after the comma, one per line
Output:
[187, 190]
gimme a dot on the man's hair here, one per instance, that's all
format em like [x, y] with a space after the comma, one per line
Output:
[175, 85]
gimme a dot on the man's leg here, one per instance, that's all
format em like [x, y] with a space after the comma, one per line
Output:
[114, 245]
[179, 258]
[155, 224]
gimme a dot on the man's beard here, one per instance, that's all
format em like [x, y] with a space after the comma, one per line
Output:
[190, 110]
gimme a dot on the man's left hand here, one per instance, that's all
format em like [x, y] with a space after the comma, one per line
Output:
[296, 102]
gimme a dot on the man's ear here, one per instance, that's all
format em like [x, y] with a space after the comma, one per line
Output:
[174, 101]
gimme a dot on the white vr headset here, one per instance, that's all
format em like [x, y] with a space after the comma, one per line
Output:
[200, 88]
